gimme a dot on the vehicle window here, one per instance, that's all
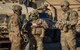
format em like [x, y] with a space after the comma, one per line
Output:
[3, 18]
[9, 1]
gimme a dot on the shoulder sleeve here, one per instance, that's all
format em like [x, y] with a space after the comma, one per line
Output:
[74, 18]
[75, 14]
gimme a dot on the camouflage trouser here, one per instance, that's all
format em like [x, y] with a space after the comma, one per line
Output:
[68, 40]
[15, 41]
[39, 43]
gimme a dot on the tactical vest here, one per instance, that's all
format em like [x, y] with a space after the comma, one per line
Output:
[38, 30]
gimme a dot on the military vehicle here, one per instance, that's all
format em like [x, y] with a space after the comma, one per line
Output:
[4, 20]
[5, 13]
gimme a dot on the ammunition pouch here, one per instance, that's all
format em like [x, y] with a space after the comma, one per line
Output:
[38, 30]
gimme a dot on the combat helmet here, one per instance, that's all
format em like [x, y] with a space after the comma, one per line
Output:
[34, 14]
[64, 3]
[16, 7]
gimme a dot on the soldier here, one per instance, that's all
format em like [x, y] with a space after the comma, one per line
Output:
[14, 34]
[67, 26]
[46, 11]
[38, 30]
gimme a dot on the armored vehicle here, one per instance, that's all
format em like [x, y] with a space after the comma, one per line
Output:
[4, 20]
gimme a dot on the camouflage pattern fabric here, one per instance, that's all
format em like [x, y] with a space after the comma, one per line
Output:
[14, 34]
[38, 31]
[67, 26]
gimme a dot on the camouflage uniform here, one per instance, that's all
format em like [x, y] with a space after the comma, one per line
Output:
[67, 26]
[14, 32]
[38, 31]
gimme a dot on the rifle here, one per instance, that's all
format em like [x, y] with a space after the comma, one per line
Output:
[49, 3]
[23, 32]
[24, 36]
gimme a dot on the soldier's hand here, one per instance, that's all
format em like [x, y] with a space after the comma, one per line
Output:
[64, 22]
[34, 25]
